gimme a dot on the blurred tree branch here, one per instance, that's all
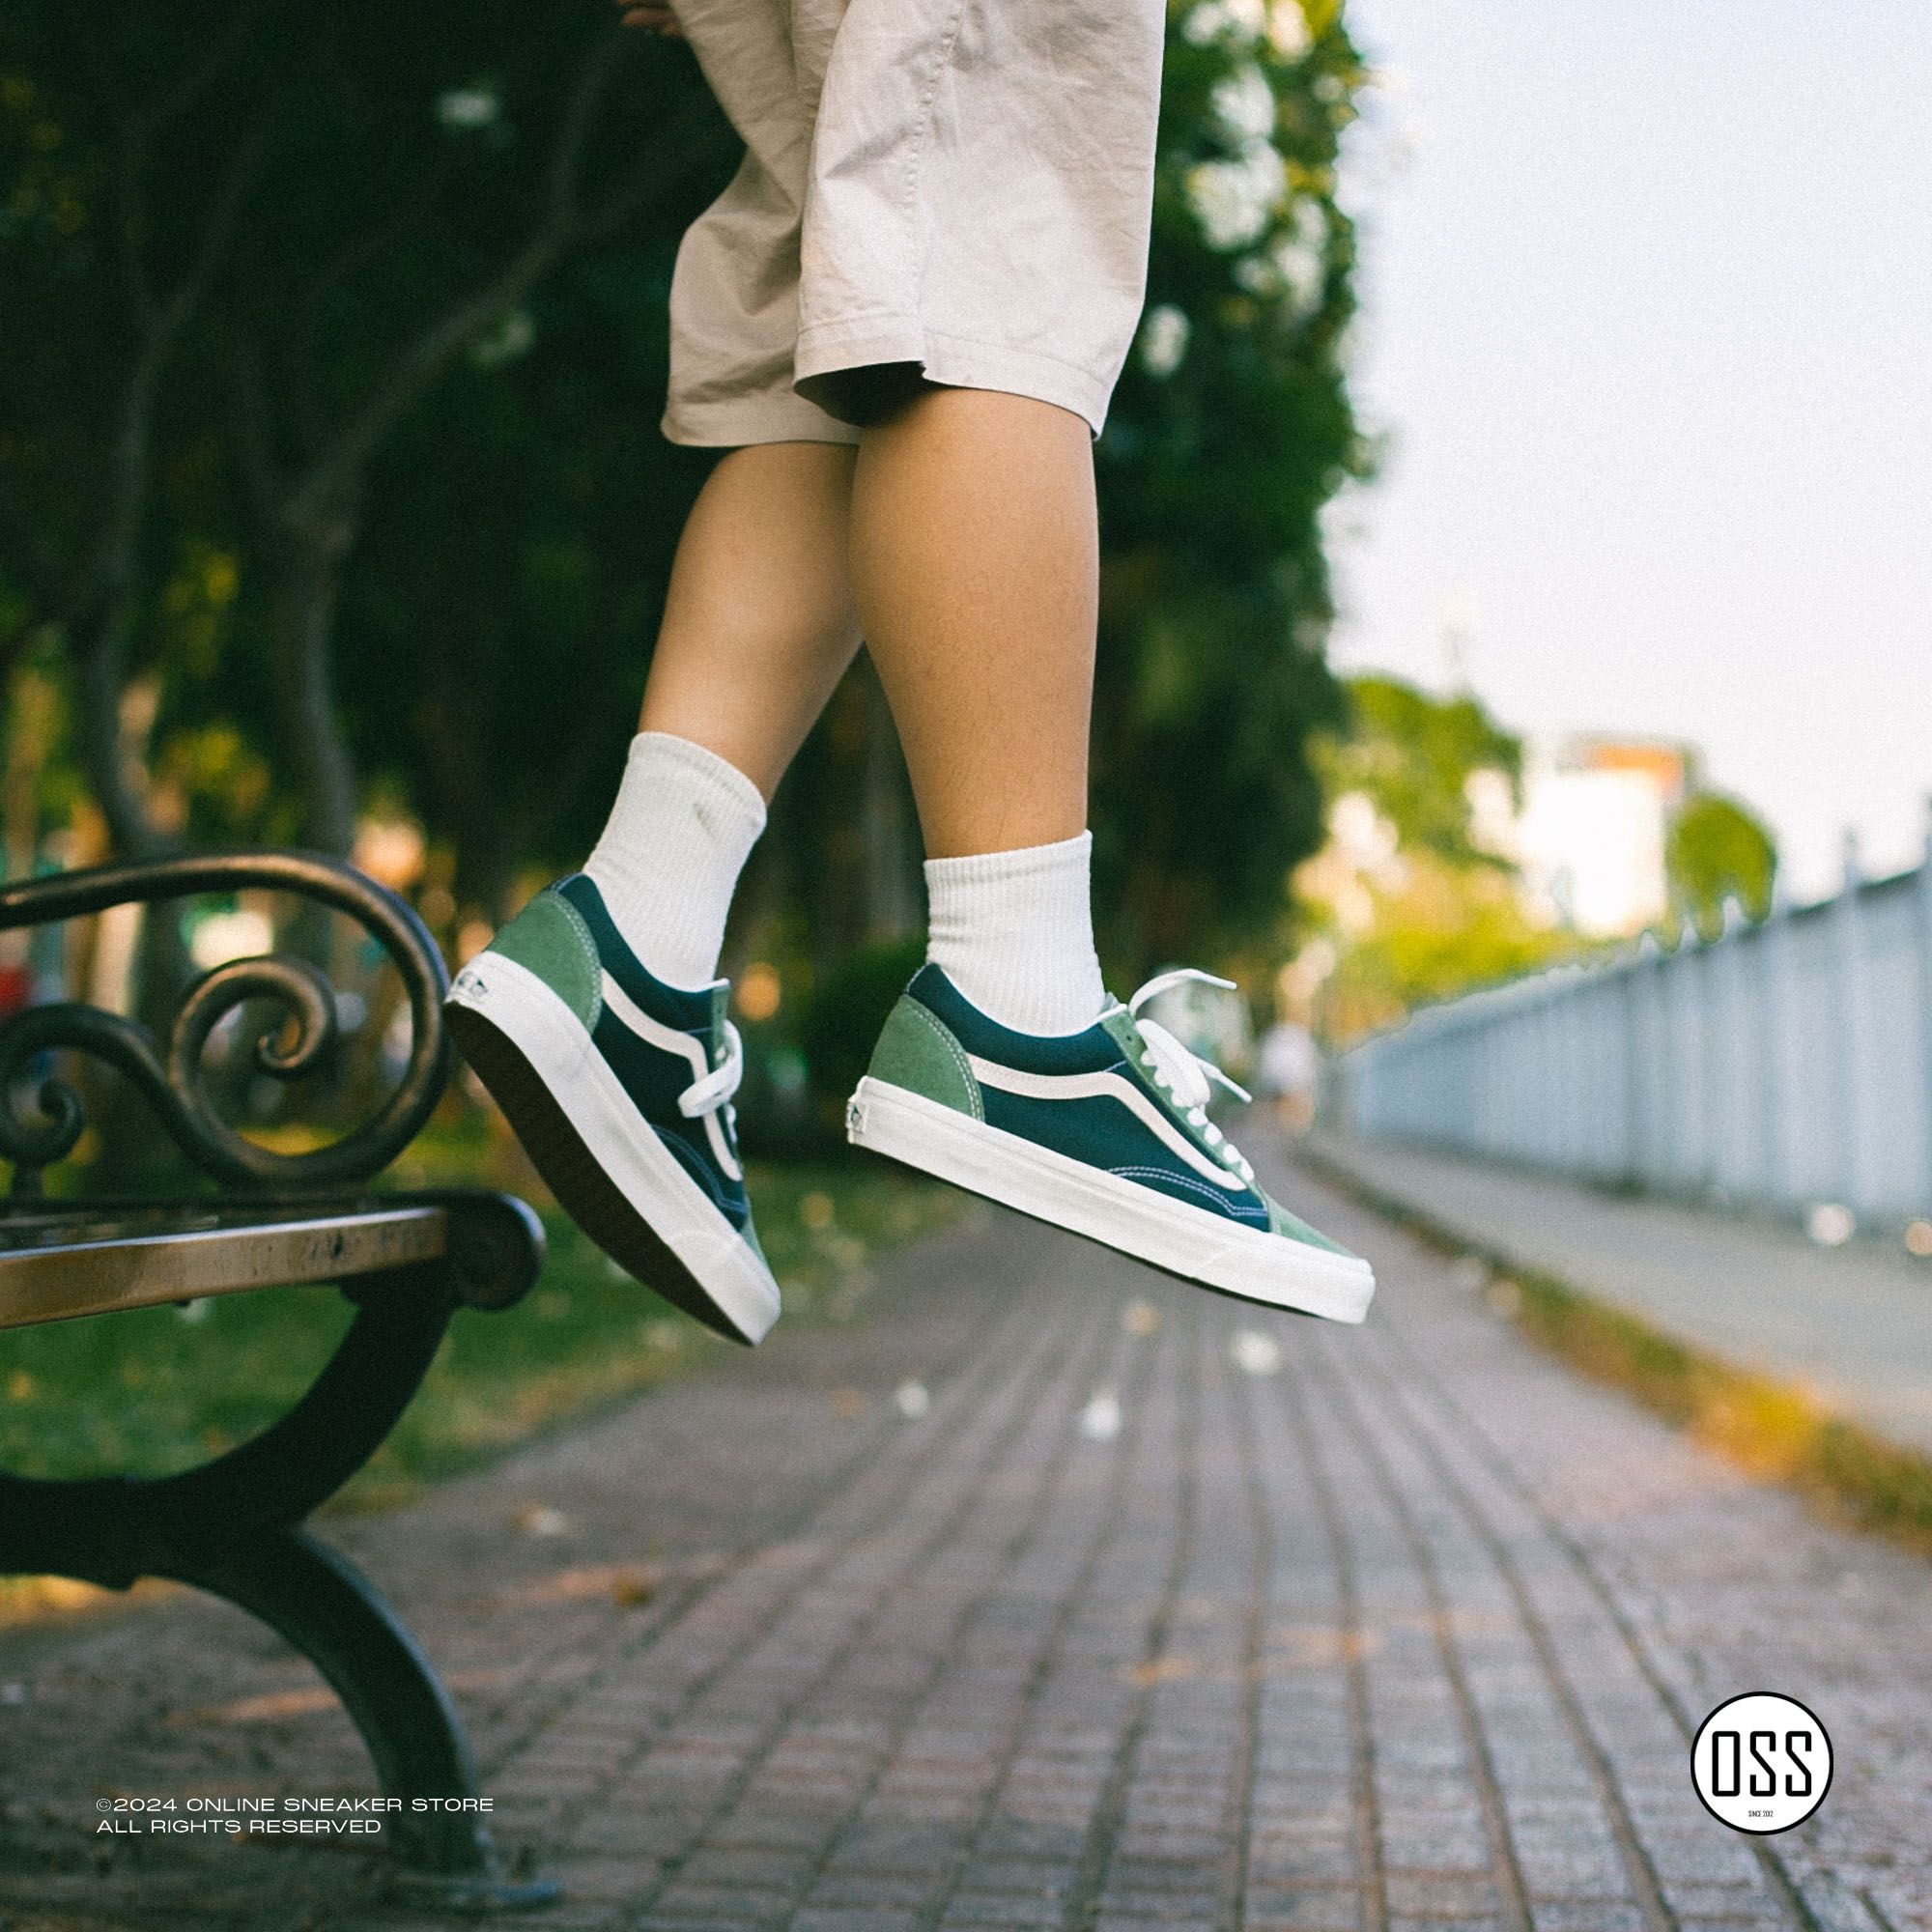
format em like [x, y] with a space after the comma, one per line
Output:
[190, 304]
[311, 514]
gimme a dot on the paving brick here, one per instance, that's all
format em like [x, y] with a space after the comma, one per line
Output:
[1294, 1648]
[1594, 1915]
[1441, 1896]
[1003, 1909]
[1306, 1909]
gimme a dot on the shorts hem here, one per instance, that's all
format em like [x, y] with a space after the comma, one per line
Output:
[779, 417]
[953, 362]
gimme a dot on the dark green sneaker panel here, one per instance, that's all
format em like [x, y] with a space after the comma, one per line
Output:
[1105, 1132]
[1125, 1033]
[1064, 1091]
[692, 1010]
[916, 1050]
[1098, 1131]
[706, 1146]
[656, 1039]
[547, 938]
[1087, 1051]
[620, 1088]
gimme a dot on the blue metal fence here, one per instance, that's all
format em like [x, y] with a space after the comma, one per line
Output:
[1780, 1066]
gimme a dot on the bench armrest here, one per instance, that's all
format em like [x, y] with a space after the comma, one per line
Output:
[40, 1120]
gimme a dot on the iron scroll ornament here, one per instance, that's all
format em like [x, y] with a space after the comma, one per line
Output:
[174, 1086]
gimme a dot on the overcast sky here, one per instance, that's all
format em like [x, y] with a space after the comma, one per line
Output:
[1648, 326]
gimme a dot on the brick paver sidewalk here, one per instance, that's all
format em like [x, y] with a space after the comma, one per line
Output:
[1163, 1611]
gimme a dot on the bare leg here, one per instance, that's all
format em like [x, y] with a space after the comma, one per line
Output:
[974, 563]
[758, 626]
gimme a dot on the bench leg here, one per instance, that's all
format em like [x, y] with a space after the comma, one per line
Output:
[320, 1602]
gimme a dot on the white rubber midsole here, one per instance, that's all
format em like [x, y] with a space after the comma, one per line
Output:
[1153, 1227]
[620, 1140]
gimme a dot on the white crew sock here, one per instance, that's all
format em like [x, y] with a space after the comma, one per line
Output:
[1015, 932]
[669, 858]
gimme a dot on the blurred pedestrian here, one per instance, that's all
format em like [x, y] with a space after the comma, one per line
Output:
[1287, 1071]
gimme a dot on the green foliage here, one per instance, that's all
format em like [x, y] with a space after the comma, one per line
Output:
[1414, 756]
[321, 434]
[1718, 849]
[846, 1011]
[1407, 903]
[148, 1391]
[346, 323]
[1229, 429]
[1438, 931]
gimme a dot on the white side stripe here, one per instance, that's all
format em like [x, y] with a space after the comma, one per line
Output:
[667, 1040]
[1104, 1086]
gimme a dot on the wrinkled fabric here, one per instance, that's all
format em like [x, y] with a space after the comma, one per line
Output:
[949, 190]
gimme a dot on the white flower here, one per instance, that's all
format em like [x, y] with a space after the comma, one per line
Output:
[1300, 271]
[1299, 258]
[1244, 103]
[1287, 29]
[1234, 200]
[467, 107]
[1257, 274]
[1238, 23]
[1164, 339]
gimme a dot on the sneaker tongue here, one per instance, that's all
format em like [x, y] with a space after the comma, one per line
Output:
[721, 1000]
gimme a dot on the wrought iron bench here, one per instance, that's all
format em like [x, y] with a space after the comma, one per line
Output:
[406, 1261]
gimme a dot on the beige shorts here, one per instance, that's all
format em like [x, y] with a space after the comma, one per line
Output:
[956, 190]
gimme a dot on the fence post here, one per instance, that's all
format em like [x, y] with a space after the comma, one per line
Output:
[1778, 1091]
[1692, 964]
[1850, 987]
[1726, 1122]
[1926, 1011]
[1654, 1064]
[1629, 1060]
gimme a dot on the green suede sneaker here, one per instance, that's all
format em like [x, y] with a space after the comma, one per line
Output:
[1103, 1132]
[619, 1088]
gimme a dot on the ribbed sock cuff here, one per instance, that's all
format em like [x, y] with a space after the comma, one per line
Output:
[683, 824]
[1015, 932]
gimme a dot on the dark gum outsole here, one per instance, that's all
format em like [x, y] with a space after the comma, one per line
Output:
[583, 1190]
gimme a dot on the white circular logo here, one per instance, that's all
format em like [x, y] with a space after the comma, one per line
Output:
[1761, 1763]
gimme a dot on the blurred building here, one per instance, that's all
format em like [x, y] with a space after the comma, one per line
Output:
[1590, 837]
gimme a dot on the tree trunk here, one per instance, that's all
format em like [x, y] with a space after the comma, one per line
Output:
[311, 569]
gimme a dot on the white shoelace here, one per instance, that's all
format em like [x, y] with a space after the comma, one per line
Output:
[713, 1090]
[1184, 1074]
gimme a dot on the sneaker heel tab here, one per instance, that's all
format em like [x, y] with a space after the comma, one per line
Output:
[550, 939]
[917, 1051]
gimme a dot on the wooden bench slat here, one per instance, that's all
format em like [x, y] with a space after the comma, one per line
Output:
[114, 1265]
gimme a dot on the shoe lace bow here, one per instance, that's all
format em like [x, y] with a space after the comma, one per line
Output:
[1184, 1075]
[712, 1092]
